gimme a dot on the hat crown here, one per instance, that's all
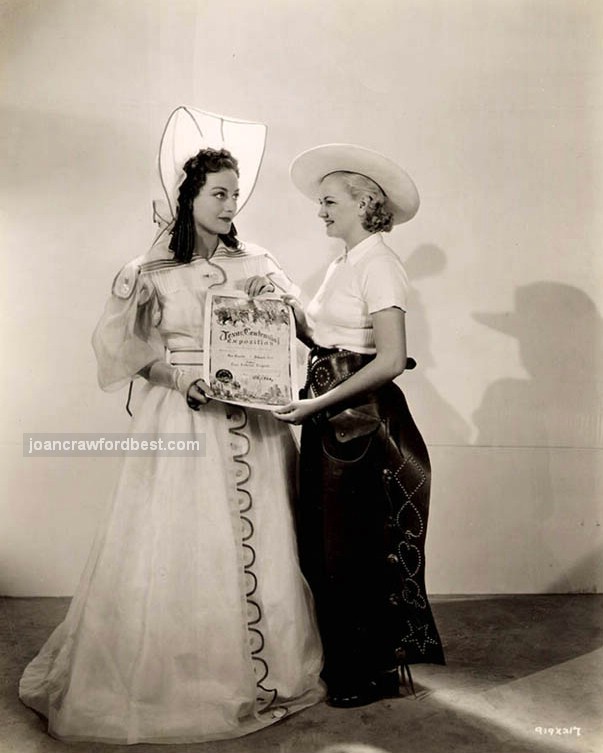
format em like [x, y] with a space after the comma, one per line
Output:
[188, 131]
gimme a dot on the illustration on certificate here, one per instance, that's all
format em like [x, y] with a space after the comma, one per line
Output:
[250, 350]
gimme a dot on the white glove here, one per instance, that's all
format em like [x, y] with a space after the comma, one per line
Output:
[165, 375]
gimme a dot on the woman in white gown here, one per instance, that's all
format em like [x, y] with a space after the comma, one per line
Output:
[192, 621]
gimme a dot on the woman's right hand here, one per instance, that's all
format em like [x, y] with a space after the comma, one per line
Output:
[258, 284]
[302, 329]
[298, 311]
[297, 411]
[196, 395]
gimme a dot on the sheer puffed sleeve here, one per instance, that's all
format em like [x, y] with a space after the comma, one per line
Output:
[126, 338]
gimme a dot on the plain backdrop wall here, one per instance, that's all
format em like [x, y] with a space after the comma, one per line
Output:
[493, 106]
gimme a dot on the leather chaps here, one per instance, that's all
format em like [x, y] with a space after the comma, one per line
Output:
[362, 521]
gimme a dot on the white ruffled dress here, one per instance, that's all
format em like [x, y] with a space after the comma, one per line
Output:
[192, 621]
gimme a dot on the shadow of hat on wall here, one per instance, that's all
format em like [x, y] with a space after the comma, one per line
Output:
[540, 303]
[557, 325]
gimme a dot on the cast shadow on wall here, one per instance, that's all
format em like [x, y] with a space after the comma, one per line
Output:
[549, 427]
[559, 332]
[439, 422]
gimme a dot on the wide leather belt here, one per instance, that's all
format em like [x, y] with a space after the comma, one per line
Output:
[328, 367]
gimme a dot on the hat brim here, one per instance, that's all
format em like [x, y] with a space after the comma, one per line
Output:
[310, 167]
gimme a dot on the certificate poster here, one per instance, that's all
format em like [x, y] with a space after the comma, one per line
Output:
[250, 350]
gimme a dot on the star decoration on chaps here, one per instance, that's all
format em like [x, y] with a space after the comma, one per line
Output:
[418, 636]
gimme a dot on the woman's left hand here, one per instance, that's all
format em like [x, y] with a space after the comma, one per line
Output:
[258, 284]
[297, 411]
[197, 394]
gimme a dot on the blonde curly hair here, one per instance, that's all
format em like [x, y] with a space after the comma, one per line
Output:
[378, 218]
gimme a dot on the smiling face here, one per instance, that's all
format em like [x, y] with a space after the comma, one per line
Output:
[216, 203]
[342, 214]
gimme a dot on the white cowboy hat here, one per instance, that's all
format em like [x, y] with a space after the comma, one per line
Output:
[189, 130]
[310, 167]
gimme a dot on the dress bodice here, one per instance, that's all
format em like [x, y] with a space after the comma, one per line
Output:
[159, 303]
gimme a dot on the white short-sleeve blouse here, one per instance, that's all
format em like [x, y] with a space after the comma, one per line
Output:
[366, 279]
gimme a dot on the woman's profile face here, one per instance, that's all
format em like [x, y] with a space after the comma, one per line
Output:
[338, 209]
[216, 203]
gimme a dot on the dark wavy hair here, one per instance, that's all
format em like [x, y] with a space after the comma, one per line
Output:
[196, 170]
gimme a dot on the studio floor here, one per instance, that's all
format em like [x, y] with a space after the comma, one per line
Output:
[524, 675]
